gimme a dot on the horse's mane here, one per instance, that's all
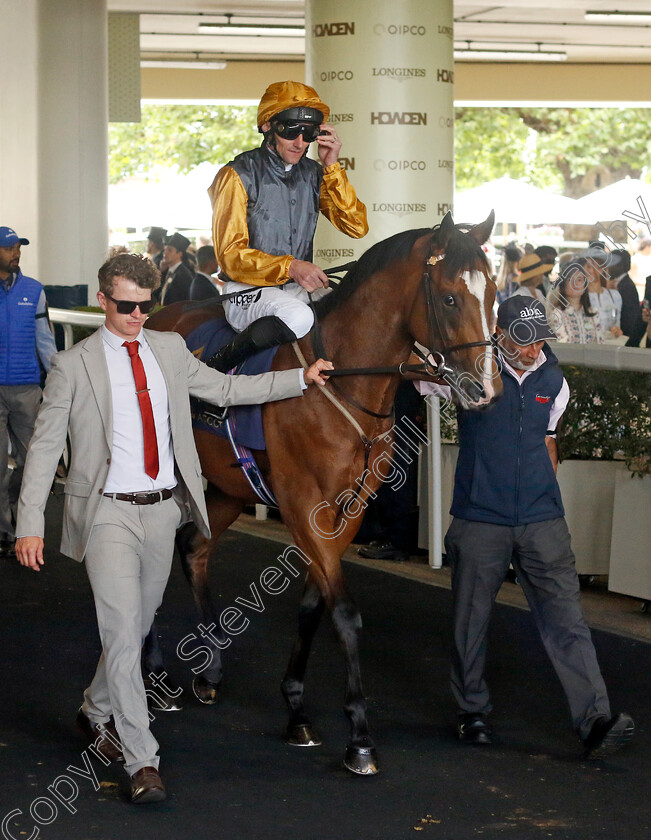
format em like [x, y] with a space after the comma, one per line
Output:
[462, 252]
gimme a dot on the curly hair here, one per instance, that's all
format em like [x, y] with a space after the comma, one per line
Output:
[134, 267]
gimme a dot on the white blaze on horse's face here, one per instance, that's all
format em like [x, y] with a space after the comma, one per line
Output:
[476, 284]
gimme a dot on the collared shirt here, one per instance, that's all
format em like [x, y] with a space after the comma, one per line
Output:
[558, 406]
[127, 471]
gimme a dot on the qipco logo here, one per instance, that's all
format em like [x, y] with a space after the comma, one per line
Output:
[399, 29]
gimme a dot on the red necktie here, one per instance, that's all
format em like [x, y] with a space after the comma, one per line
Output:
[146, 412]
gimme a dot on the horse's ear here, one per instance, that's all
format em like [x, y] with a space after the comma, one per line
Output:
[445, 231]
[483, 230]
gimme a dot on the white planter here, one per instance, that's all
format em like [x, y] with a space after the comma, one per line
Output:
[630, 551]
[588, 491]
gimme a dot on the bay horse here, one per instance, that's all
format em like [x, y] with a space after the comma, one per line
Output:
[430, 286]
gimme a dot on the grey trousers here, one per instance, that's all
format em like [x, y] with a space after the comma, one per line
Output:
[480, 554]
[128, 561]
[18, 409]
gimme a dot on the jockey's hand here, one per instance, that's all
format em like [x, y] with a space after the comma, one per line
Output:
[328, 145]
[308, 275]
[313, 375]
[29, 551]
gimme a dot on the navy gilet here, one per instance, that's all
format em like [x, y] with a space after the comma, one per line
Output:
[504, 473]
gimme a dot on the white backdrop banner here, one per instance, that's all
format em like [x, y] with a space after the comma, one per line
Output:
[385, 68]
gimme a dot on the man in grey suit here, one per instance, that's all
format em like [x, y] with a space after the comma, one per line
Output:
[122, 395]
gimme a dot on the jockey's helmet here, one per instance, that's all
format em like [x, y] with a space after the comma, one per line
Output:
[292, 101]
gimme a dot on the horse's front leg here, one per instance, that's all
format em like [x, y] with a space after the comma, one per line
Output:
[300, 732]
[326, 576]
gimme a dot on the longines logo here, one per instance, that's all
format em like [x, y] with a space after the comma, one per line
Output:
[400, 165]
[446, 30]
[399, 29]
[446, 164]
[347, 163]
[445, 76]
[332, 75]
[332, 253]
[398, 118]
[400, 73]
[322, 30]
[339, 118]
[399, 209]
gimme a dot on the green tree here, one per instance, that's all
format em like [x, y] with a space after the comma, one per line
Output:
[561, 148]
[181, 135]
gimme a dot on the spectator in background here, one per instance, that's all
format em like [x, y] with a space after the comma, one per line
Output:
[176, 276]
[607, 302]
[631, 321]
[25, 338]
[155, 244]
[532, 271]
[203, 286]
[549, 256]
[508, 273]
[641, 264]
[569, 312]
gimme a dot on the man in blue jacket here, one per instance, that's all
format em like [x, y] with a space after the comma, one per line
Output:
[25, 339]
[507, 508]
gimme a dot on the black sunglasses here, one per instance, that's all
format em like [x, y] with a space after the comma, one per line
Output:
[291, 130]
[126, 307]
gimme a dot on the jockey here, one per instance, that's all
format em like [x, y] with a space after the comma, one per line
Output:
[266, 204]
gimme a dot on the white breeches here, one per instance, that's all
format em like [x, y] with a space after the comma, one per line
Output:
[289, 303]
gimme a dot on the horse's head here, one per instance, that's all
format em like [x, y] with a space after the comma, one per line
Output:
[452, 310]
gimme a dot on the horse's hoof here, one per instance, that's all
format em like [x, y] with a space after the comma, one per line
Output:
[165, 703]
[362, 760]
[302, 735]
[205, 691]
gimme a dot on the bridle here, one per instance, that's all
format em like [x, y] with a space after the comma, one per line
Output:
[433, 363]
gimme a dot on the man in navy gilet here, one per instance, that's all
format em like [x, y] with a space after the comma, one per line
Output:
[25, 338]
[507, 508]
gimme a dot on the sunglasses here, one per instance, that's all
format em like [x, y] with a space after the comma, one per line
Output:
[291, 130]
[126, 307]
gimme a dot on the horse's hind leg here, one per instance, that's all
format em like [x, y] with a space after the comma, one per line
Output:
[195, 551]
[299, 729]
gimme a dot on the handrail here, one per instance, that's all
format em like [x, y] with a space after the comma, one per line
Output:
[69, 318]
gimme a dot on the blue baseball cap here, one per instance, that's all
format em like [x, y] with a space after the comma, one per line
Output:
[9, 237]
[524, 319]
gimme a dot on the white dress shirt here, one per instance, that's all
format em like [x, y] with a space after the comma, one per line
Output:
[127, 471]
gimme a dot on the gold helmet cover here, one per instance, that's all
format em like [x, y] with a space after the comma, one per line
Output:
[281, 96]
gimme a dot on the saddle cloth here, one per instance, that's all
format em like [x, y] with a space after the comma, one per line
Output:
[245, 420]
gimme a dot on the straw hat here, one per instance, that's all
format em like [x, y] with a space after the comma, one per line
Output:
[532, 266]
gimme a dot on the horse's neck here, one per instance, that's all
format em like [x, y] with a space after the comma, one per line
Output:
[368, 330]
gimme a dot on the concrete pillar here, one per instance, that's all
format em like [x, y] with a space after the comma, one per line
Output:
[54, 138]
[386, 71]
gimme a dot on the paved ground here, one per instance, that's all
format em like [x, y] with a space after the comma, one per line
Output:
[229, 774]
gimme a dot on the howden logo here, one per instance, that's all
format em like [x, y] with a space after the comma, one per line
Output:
[398, 118]
[322, 30]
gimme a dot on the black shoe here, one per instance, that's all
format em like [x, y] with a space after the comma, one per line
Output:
[260, 335]
[382, 550]
[473, 729]
[608, 736]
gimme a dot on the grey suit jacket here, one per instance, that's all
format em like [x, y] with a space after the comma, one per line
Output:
[77, 401]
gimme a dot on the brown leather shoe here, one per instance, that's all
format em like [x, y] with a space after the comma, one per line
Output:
[147, 786]
[110, 747]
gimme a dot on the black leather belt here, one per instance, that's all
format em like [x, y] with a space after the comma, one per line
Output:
[141, 498]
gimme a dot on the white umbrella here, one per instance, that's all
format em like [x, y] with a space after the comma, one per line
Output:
[611, 202]
[165, 198]
[514, 201]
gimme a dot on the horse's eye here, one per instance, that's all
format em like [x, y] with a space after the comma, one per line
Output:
[449, 300]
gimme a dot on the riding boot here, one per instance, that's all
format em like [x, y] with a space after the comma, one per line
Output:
[260, 335]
